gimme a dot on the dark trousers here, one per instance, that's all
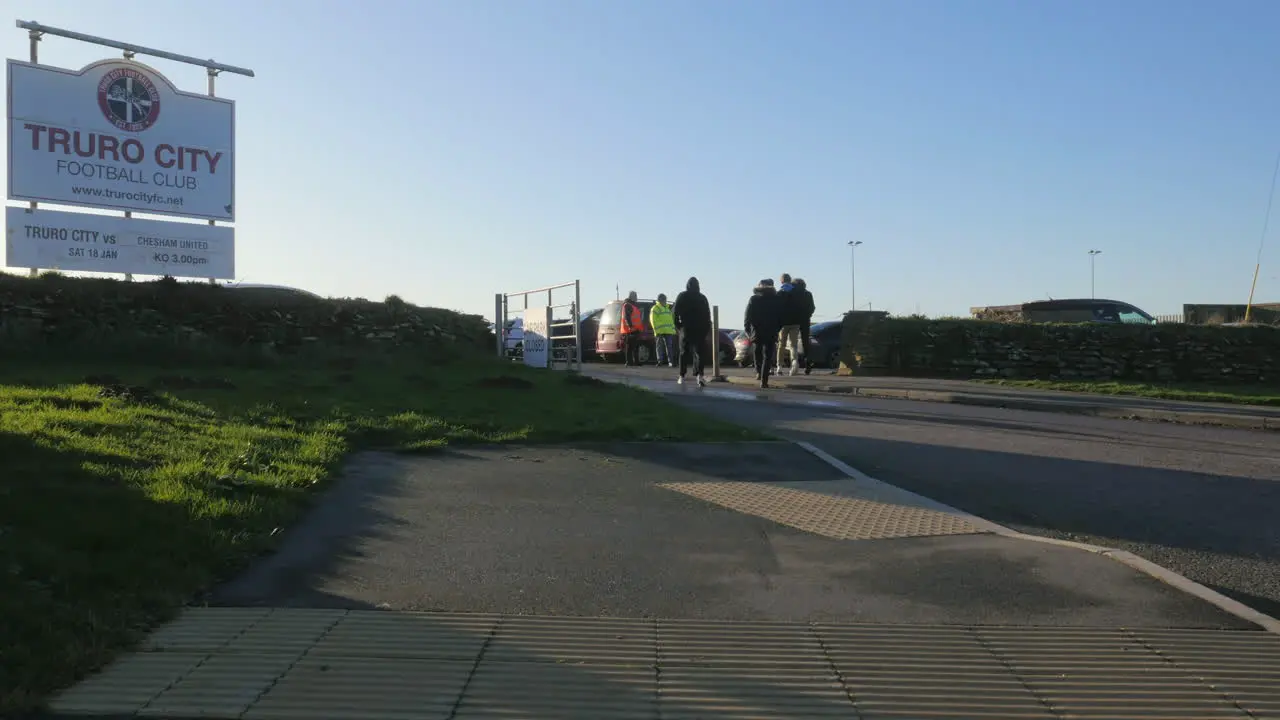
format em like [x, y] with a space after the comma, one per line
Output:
[691, 351]
[804, 346]
[765, 348]
[631, 348]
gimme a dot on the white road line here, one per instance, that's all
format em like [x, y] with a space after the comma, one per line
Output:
[1140, 564]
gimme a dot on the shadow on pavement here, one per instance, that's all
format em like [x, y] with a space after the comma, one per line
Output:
[1218, 529]
[344, 519]
[768, 461]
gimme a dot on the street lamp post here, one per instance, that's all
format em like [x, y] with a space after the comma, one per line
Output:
[1093, 256]
[853, 273]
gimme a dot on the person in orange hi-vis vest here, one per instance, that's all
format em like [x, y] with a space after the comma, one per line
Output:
[632, 327]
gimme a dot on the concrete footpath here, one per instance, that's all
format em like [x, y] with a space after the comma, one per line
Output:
[643, 580]
[961, 392]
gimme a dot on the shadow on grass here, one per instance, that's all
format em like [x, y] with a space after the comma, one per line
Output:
[87, 562]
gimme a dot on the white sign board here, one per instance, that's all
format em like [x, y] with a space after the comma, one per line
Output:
[118, 135]
[112, 244]
[537, 337]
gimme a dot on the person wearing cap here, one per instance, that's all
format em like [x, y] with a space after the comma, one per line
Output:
[631, 326]
[663, 323]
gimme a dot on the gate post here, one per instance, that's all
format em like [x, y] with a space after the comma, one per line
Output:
[499, 322]
[715, 342]
[577, 324]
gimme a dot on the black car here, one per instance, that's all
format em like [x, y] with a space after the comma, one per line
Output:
[824, 343]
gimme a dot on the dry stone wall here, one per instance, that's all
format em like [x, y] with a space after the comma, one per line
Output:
[973, 349]
[54, 310]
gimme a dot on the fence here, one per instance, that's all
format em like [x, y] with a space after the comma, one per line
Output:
[561, 338]
[1171, 319]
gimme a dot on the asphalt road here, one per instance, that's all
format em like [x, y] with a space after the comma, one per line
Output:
[1204, 502]
[589, 531]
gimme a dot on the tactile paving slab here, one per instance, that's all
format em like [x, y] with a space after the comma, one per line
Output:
[379, 665]
[843, 517]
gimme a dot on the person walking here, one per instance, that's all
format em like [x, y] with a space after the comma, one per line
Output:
[664, 331]
[762, 322]
[631, 326]
[804, 310]
[790, 318]
[692, 318]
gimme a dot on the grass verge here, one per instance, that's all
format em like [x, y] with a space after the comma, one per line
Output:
[126, 490]
[1236, 394]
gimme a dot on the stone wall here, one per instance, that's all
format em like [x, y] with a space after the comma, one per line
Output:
[1085, 351]
[88, 313]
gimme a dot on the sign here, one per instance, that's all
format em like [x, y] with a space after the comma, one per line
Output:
[112, 244]
[118, 135]
[536, 325]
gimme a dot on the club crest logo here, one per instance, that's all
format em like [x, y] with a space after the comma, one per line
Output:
[128, 99]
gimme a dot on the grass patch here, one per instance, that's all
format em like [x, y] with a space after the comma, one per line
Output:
[1238, 394]
[126, 490]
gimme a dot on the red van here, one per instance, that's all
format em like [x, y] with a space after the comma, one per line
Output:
[609, 339]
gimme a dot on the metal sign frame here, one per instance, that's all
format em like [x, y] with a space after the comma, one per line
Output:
[504, 306]
[36, 31]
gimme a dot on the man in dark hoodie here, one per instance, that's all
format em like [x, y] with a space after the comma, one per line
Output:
[692, 316]
[761, 323]
[804, 310]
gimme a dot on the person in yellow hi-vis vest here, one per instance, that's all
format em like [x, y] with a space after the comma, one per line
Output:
[664, 331]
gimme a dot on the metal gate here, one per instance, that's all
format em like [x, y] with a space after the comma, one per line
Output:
[562, 333]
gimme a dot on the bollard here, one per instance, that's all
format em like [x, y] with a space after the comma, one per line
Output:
[715, 343]
[499, 322]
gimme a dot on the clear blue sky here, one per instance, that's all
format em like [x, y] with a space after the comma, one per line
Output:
[445, 151]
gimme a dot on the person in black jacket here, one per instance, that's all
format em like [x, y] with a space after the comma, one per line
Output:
[692, 317]
[804, 311]
[761, 323]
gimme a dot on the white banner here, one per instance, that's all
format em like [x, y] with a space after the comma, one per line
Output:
[118, 135]
[81, 242]
[536, 325]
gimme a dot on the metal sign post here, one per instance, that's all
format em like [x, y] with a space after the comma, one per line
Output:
[35, 36]
[715, 343]
[36, 32]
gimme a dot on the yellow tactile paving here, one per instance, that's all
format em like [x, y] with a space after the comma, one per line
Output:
[364, 688]
[840, 516]
[205, 631]
[409, 635]
[371, 665]
[620, 642]
[128, 684]
[223, 686]
[561, 690]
